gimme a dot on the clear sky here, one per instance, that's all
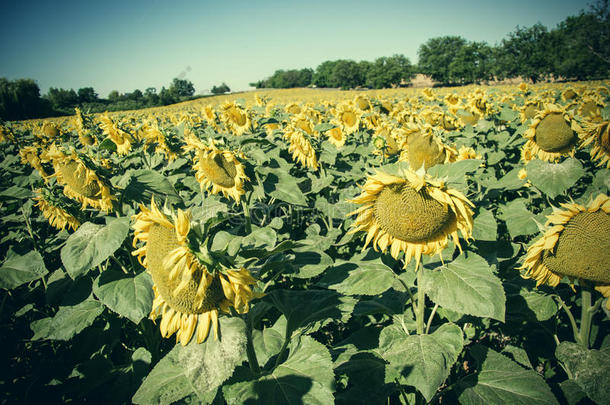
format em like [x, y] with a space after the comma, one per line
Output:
[129, 44]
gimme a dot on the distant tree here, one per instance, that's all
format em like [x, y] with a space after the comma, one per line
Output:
[323, 74]
[526, 53]
[20, 99]
[87, 95]
[166, 97]
[581, 44]
[436, 54]
[346, 74]
[389, 71]
[114, 96]
[135, 95]
[181, 88]
[223, 88]
[472, 63]
[62, 98]
[151, 96]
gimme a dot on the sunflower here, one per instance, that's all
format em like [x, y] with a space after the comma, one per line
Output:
[362, 102]
[467, 116]
[210, 116]
[386, 133]
[50, 131]
[569, 94]
[598, 134]
[57, 216]
[577, 245]
[301, 149]
[453, 102]
[293, 108]
[590, 109]
[348, 117]
[412, 214]
[80, 182]
[236, 118]
[467, 152]
[552, 134]
[336, 136]
[302, 121]
[217, 169]
[122, 139]
[31, 155]
[425, 149]
[530, 108]
[6, 134]
[188, 295]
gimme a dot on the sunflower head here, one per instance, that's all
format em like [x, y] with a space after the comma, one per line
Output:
[80, 181]
[236, 118]
[301, 148]
[188, 292]
[55, 210]
[348, 117]
[530, 109]
[552, 134]
[598, 136]
[590, 109]
[411, 214]
[575, 246]
[425, 149]
[569, 94]
[217, 170]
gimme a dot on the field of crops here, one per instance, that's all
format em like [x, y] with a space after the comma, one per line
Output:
[305, 246]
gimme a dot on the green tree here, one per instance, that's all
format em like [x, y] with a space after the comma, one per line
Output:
[62, 98]
[526, 53]
[223, 88]
[87, 95]
[581, 44]
[20, 99]
[114, 96]
[323, 74]
[435, 57]
[472, 63]
[347, 74]
[389, 71]
[181, 88]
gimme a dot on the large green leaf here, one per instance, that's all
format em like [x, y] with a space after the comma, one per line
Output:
[306, 377]
[195, 371]
[554, 178]
[68, 321]
[127, 295]
[466, 285]
[499, 380]
[18, 270]
[525, 303]
[284, 187]
[91, 244]
[359, 277]
[307, 264]
[144, 184]
[519, 220]
[590, 369]
[485, 226]
[304, 308]
[422, 361]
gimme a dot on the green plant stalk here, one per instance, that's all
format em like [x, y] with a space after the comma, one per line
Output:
[575, 331]
[246, 209]
[421, 301]
[251, 353]
[430, 318]
[586, 315]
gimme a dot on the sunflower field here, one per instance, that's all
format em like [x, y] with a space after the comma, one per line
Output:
[405, 246]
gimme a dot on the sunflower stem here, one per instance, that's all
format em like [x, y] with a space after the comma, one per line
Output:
[252, 360]
[421, 301]
[246, 209]
[571, 318]
[430, 318]
[586, 315]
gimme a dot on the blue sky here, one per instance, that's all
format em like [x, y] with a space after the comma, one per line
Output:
[131, 44]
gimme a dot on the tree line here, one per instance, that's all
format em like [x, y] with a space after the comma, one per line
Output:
[21, 99]
[577, 49]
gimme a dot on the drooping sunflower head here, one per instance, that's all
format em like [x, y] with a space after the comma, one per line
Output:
[293, 108]
[122, 139]
[411, 214]
[362, 102]
[467, 152]
[453, 101]
[425, 149]
[598, 136]
[336, 136]
[236, 118]
[50, 131]
[53, 209]
[569, 94]
[530, 108]
[577, 245]
[552, 134]
[188, 293]
[80, 182]
[218, 170]
[590, 109]
[387, 133]
[301, 148]
[32, 156]
[303, 122]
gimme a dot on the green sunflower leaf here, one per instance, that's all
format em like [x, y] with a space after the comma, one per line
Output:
[499, 380]
[519, 220]
[306, 377]
[467, 285]
[359, 277]
[590, 369]
[68, 321]
[91, 244]
[18, 270]
[422, 361]
[195, 371]
[554, 178]
[127, 295]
